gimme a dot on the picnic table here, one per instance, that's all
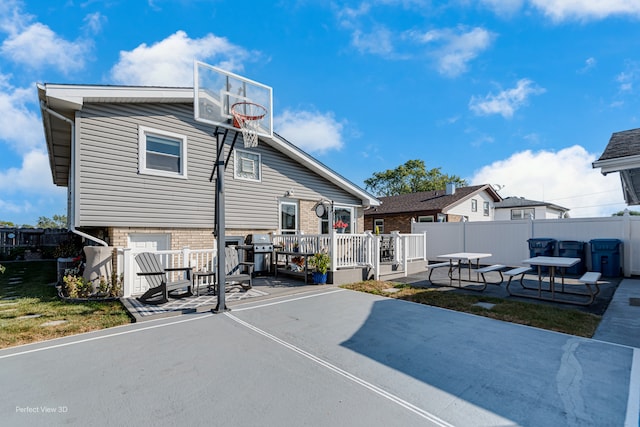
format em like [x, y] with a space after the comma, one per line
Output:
[472, 259]
[551, 292]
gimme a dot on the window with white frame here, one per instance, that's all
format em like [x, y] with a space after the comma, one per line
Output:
[474, 205]
[378, 225]
[162, 153]
[485, 208]
[288, 217]
[247, 165]
[523, 213]
[425, 218]
[344, 220]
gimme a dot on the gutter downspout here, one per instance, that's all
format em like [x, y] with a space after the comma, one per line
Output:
[72, 176]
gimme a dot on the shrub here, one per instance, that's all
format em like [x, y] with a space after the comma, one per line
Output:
[321, 262]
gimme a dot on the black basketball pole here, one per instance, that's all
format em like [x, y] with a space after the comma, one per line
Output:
[220, 223]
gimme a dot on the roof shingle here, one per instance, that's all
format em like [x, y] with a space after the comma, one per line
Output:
[436, 200]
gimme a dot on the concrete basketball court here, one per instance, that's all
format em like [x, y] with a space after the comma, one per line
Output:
[328, 357]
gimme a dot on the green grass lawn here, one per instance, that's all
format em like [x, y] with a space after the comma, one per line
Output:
[543, 316]
[26, 307]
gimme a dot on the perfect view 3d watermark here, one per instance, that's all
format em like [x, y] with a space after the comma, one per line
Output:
[42, 409]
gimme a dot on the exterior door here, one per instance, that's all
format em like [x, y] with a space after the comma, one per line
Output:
[146, 242]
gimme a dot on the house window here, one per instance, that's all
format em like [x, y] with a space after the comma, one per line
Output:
[425, 218]
[162, 153]
[342, 215]
[523, 213]
[442, 218]
[288, 217]
[247, 165]
[474, 205]
[378, 225]
[485, 208]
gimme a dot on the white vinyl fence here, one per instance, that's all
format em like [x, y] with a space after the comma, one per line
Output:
[507, 241]
[346, 251]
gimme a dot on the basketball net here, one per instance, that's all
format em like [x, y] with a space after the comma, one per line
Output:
[247, 116]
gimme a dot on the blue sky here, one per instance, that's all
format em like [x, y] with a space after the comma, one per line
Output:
[523, 94]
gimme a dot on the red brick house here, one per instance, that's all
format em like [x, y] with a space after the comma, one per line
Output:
[474, 203]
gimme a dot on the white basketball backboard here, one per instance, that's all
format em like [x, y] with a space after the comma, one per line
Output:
[216, 90]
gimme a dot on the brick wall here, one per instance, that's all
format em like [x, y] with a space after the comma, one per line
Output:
[194, 238]
[309, 223]
[202, 238]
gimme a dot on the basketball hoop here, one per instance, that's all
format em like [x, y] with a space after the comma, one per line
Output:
[247, 116]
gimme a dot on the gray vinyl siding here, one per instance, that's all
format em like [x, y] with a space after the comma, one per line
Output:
[111, 192]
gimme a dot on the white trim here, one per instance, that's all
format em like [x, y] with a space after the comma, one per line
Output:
[297, 216]
[617, 164]
[237, 162]
[354, 220]
[633, 397]
[143, 131]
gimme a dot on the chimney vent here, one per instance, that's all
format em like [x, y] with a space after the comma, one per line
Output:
[451, 188]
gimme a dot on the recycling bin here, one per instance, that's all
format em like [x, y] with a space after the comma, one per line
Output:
[541, 246]
[573, 249]
[605, 256]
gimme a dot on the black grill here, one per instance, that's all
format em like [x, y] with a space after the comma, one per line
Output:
[259, 250]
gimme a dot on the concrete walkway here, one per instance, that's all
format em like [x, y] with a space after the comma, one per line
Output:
[621, 321]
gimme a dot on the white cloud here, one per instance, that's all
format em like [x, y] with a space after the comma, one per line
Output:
[560, 10]
[94, 22]
[378, 42]
[12, 18]
[169, 62]
[35, 45]
[507, 101]
[588, 65]
[565, 178]
[628, 77]
[456, 47]
[21, 126]
[349, 16]
[503, 7]
[32, 177]
[312, 131]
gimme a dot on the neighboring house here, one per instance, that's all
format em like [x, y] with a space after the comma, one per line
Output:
[622, 155]
[138, 168]
[474, 203]
[521, 208]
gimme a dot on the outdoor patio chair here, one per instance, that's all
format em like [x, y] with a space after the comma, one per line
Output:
[161, 288]
[385, 249]
[237, 272]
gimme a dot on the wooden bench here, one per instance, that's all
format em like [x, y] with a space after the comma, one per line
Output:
[490, 268]
[432, 267]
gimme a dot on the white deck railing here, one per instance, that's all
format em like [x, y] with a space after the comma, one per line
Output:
[346, 251]
[198, 259]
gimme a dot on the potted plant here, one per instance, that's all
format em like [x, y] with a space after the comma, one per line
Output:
[340, 226]
[321, 263]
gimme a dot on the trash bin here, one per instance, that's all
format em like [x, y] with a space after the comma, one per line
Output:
[573, 249]
[605, 256]
[541, 247]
